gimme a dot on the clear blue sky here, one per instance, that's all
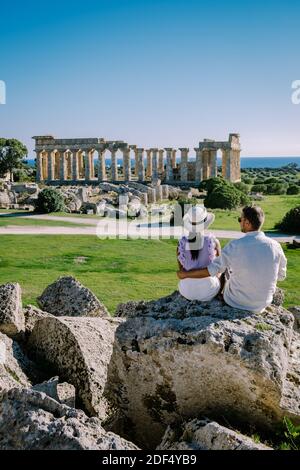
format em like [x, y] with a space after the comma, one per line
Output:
[152, 72]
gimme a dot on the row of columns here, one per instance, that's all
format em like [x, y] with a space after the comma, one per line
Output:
[72, 164]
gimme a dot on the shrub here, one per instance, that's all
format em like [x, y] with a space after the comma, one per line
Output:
[293, 189]
[247, 180]
[259, 188]
[223, 197]
[276, 188]
[50, 200]
[291, 221]
[271, 180]
[212, 183]
[243, 187]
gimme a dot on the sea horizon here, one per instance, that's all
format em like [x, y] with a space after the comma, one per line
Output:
[246, 162]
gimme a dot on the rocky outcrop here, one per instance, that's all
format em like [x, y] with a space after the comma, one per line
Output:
[40, 423]
[11, 315]
[79, 351]
[206, 435]
[61, 392]
[174, 359]
[68, 297]
[12, 365]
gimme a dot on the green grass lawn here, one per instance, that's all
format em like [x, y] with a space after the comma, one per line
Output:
[16, 219]
[115, 270]
[275, 207]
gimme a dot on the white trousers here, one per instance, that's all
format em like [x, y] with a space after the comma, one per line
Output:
[204, 289]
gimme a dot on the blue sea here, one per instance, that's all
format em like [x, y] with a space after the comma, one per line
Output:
[246, 162]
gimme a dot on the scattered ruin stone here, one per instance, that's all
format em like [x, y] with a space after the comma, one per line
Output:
[32, 314]
[79, 351]
[12, 320]
[12, 363]
[174, 359]
[68, 297]
[62, 392]
[41, 423]
[206, 435]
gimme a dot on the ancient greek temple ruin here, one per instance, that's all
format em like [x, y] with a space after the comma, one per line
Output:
[61, 161]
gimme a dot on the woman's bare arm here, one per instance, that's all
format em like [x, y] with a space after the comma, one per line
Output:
[179, 264]
[218, 248]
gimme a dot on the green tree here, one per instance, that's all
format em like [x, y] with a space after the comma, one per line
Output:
[12, 153]
[210, 184]
[259, 188]
[293, 189]
[291, 221]
[50, 200]
[223, 197]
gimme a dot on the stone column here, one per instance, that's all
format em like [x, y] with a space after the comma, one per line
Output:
[80, 164]
[161, 161]
[92, 168]
[231, 165]
[50, 166]
[136, 160]
[39, 170]
[213, 163]
[87, 161]
[205, 160]
[149, 163]
[184, 164]
[75, 167]
[154, 165]
[174, 158]
[114, 166]
[101, 166]
[44, 166]
[63, 166]
[169, 166]
[199, 165]
[141, 165]
[127, 164]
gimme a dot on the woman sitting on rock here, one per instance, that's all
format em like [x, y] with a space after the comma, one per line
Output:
[197, 251]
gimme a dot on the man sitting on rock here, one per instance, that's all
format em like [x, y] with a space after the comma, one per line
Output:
[252, 265]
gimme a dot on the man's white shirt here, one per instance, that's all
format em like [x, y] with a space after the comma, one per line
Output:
[254, 263]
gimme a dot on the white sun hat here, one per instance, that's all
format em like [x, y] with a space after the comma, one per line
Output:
[197, 219]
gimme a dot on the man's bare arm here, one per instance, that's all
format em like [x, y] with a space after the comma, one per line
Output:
[193, 274]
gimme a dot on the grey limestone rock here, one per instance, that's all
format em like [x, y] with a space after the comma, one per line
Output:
[68, 297]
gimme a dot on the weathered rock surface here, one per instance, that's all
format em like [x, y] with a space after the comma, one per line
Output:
[12, 320]
[296, 312]
[68, 297]
[32, 314]
[278, 297]
[174, 359]
[61, 392]
[206, 435]
[12, 365]
[40, 423]
[79, 351]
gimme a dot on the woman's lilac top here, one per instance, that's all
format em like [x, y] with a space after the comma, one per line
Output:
[206, 255]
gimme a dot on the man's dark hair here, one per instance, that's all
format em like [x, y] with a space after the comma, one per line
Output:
[255, 215]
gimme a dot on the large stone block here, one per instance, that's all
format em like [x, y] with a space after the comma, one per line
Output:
[41, 423]
[12, 365]
[12, 320]
[79, 351]
[175, 360]
[206, 435]
[68, 297]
